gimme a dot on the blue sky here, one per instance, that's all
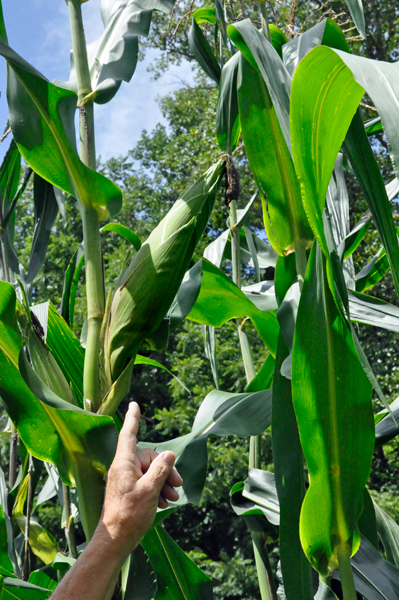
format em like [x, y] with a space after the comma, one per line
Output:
[39, 31]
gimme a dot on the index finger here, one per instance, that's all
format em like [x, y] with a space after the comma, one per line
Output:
[128, 436]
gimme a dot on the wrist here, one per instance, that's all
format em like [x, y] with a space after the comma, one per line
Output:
[114, 539]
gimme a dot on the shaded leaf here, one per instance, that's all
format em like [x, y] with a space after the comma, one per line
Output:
[334, 500]
[203, 52]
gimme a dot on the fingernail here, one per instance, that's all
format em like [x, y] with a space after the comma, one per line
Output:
[169, 458]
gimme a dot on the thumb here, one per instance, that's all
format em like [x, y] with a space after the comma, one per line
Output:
[159, 471]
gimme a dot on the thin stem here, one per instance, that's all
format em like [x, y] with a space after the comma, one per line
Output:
[301, 262]
[69, 527]
[266, 582]
[92, 242]
[264, 19]
[263, 569]
[26, 569]
[345, 571]
[95, 308]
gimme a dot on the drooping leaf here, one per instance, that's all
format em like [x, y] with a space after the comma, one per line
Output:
[143, 360]
[80, 444]
[264, 58]
[258, 495]
[289, 474]
[228, 126]
[357, 14]
[177, 576]
[326, 33]
[203, 52]
[124, 232]
[42, 120]
[46, 210]
[221, 413]
[278, 38]
[335, 421]
[273, 169]
[42, 543]
[387, 427]
[113, 56]
[220, 300]
[324, 98]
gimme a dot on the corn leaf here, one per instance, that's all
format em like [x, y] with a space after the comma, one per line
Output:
[203, 52]
[324, 98]
[42, 120]
[335, 421]
[177, 576]
[289, 474]
[42, 543]
[273, 169]
[228, 127]
[220, 300]
[81, 445]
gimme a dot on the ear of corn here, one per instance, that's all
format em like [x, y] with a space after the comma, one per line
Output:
[149, 285]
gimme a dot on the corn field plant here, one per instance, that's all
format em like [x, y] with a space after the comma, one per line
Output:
[295, 106]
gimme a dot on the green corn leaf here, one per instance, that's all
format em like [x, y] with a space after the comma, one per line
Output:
[373, 311]
[40, 578]
[9, 178]
[80, 444]
[141, 581]
[42, 119]
[355, 237]
[220, 300]
[228, 126]
[22, 590]
[335, 420]
[289, 474]
[278, 38]
[46, 211]
[220, 413]
[375, 578]
[159, 266]
[324, 98]
[71, 280]
[257, 495]
[177, 576]
[206, 14]
[113, 56]
[326, 33]
[367, 171]
[46, 366]
[143, 360]
[285, 219]
[263, 57]
[264, 378]
[387, 427]
[5, 561]
[388, 530]
[42, 543]
[63, 345]
[124, 232]
[203, 52]
[374, 126]
[373, 272]
[357, 14]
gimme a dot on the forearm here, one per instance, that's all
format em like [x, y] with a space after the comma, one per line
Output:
[95, 573]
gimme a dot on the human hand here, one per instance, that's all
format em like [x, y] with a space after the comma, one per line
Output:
[137, 483]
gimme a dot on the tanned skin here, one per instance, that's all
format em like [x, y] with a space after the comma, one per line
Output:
[137, 484]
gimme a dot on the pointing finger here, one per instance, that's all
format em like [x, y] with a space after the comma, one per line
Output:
[128, 436]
